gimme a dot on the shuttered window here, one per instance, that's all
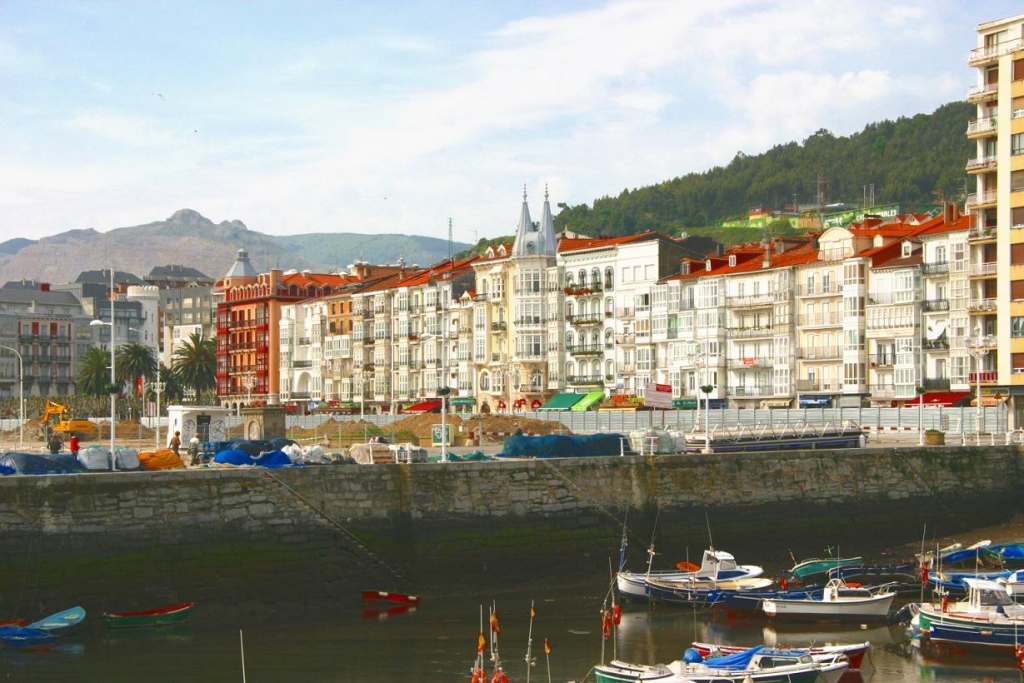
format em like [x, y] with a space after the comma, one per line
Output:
[1017, 359]
[1017, 290]
[1017, 254]
[1017, 215]
[1018, 69]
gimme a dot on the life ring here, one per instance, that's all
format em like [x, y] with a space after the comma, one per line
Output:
[499, 677]
[1020, 656]
[479, 677]
[616, 614]
[606, 624]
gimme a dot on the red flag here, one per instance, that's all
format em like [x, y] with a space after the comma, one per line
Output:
[547, 647]
[494, 623]
[139, 383]
[924, 575]
[533, 612]
[481, 644]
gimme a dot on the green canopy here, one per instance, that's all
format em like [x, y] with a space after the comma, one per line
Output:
[588, 400]
[561, 402]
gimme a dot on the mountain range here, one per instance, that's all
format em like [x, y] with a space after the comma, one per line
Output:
[190, 239]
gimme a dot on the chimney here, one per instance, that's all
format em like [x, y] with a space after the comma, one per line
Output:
[44, 286]
[767, 263]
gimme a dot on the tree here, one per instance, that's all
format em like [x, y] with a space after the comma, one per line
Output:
[93, 372]
[170, 393]
[134, 360]
[194, 364]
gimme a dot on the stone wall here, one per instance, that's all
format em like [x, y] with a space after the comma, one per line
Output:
[316, 534]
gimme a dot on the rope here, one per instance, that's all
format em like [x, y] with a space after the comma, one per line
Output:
[352, 538]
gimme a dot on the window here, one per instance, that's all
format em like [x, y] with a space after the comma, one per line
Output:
[1017, 143]
[1018, 107]
[1018, 69]
[1017, 290]
[1017, 360]
[1016, 181]
[1017, 216]
[1017, 327]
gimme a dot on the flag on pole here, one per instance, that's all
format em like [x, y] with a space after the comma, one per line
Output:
[533, 611]
[481, 644]
[547, 647]
[140, 383]
[494, 623]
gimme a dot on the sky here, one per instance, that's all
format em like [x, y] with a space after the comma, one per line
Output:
[384, 116]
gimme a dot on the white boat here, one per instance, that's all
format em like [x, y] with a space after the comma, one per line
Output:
[716, 566]
[839, 600]
[756, 665]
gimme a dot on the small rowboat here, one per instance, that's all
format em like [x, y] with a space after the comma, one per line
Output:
[399, 598]
[60, 623]
[28, 638]
[161, 616]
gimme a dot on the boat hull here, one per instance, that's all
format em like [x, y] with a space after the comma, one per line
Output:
[397, 598]
[854, 652]
[163, 616]
[817, 610]
[972, 638]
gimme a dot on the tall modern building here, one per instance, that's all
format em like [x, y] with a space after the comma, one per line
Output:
[996, 238]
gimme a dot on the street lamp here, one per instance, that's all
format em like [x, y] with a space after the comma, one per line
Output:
[978, 348]
[158, 387]
[21, 394]
[699, 361]
[361, 381]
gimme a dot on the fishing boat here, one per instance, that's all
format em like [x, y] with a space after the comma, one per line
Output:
[839, 600]
[701, 593]
[161, 616]
[978, 638]
[758, 664]
[744, 604]
[22, 638]
[815, 570]
[398, 598]
[854, 651]
[716, 566]
[1005, 555]
[902, 577]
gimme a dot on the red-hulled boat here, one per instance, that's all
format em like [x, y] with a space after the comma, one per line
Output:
[397, 598]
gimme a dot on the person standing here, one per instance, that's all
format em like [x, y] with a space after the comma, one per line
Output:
[175, 443]
[55, 443]
[73, 445]
[193, 449]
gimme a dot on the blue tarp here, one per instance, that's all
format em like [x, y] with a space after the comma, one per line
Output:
[563, 446]
[274, 459]
[738, 661]
[233, 457]
[29, 463]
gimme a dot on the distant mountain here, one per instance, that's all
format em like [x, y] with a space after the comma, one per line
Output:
[190, 239]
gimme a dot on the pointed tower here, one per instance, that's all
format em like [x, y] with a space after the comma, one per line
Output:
[532, 240]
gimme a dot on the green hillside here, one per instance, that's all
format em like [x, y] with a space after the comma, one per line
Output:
[339, 249]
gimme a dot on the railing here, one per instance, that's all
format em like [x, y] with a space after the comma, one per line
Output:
[808, 385]
[982, 269]
[935, 344]
[981, 163]
[883, 390]
[982, 125]
[498, 326]
[982, 91]
[881, 360]
[624, 312]
[748, 332]
[975, 377]
[625, 339]
[888, 298]
[984, 232]
[749, 362]
[932, 305]
[819, 352]
[584, 350]
[819, 288]
[935, 268]
[302, 364]
[751, 391]
[982, 54]
[580, 320]
[830, 318]
[749, 301]
[584, 380]
[981, 305]
[935, 383]
[976, 199]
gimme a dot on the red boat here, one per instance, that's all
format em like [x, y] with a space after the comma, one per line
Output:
[397, 598]
[16, 622]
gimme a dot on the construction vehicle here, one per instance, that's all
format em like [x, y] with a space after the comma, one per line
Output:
[55, 420]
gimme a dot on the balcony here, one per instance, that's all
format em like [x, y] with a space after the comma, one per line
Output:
[623, 313]
[808, 385]
[625, 339]
[935, 344]
[935, 268]
[981, 126]
[984, 377]
[818, 319]
[585, 350]
[750, 332]
[980, 93]
[982, 269]
[819, 353]
[585, 380]
[981, 164]
[981, 55]
[749, 362]
[302, 364]
[981, 233]
[585, 320]
[935, 384]
[883, 391]
[819, 289]
[976, 200]
[741, 392]
[498, 326]
[934, 305]
[753, 301]
[582, 290]
[981, 305]
[881, 360]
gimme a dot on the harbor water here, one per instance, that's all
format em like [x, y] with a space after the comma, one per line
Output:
[436, 643]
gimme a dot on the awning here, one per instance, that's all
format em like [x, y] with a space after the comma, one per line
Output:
[588, 400]
[776, 403]
[424, 407]
[946, 399]
[562, 401]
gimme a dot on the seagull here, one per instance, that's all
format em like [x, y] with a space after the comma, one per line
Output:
[195, 130]
[156, 94]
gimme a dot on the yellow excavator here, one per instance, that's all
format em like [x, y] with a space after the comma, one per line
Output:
[55, 419]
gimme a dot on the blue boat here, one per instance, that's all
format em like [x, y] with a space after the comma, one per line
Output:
[21, 638]
[979, 638]
[60, 623]
[1006, 555]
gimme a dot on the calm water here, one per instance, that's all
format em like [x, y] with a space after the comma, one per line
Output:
[437, 643]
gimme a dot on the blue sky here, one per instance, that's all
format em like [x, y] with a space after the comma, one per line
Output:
[392, 117]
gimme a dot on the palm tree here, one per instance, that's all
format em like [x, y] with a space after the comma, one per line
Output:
[135, 360]
[194, 363]
[93, 372]
[172, 390]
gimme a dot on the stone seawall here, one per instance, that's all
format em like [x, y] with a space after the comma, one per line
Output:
[319, 534]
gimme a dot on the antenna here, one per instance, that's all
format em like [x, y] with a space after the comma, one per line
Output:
[449, 240]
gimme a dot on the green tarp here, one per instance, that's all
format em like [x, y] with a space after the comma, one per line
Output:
[562, 401]
[588, 400]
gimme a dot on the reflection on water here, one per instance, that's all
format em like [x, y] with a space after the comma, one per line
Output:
[436, 643]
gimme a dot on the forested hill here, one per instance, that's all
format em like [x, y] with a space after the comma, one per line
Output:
[907, 160]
